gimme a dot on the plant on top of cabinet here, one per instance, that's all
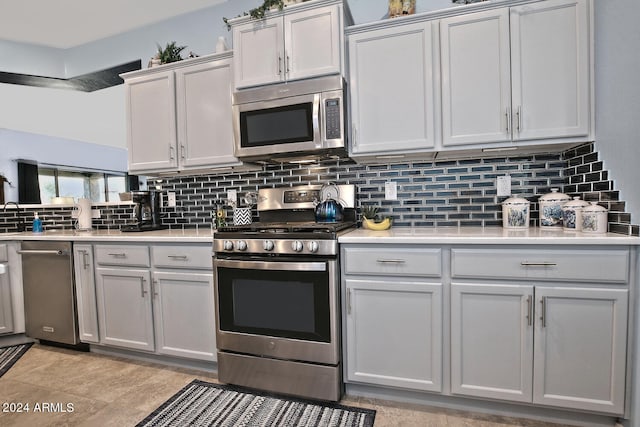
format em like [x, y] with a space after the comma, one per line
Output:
[258, 12]
[170, 53]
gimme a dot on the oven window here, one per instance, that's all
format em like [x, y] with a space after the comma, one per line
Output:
[279, 125]
[275, 303]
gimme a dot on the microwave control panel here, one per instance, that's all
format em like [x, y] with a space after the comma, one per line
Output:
[332, 114]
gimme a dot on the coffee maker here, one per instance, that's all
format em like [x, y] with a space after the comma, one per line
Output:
[146, 211]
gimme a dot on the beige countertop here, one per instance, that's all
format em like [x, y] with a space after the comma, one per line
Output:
[189, 235]
[485, 235]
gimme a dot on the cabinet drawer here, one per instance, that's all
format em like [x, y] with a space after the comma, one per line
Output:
[418, 261]
[134, 256]
[3, 253]
[582, 265]
[182, 256]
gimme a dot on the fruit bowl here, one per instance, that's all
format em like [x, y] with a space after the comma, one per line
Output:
[371, 224]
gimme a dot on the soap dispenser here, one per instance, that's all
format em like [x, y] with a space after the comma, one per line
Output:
[37, 223]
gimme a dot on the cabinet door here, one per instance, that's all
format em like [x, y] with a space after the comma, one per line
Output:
[580, 348]
[476, 78]
[313, 42]
[125, 316]
[258, 52]
[492, 341]
[205, 131]
[85, 293]
[6, 311]
[392, 90]
[550, 69]
[184, 313]
[151, 122]
[394, 333]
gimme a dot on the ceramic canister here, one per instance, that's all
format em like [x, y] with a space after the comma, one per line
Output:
[594, 219]
[550, 206]
[515, 212]
[572, 214]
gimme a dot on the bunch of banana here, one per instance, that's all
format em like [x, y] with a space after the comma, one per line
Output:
[373, 225]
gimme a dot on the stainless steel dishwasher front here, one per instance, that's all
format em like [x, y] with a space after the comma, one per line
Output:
[49, 294]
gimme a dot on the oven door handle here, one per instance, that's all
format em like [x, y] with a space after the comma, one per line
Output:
[270, 265]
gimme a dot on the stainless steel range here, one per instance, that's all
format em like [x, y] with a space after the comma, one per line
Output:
[277, 295]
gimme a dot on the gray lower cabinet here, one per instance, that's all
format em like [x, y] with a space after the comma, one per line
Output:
[184, 317]
[6, 310]
[541, 326]
[393, 316]
[85, 293]
[125, 313]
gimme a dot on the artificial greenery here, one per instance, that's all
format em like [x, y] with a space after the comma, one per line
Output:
[171, 53]
[369, 211]
[259, 12]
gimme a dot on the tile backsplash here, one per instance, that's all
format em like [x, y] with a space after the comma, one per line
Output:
[438, 193]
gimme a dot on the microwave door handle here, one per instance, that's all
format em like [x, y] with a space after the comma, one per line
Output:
[316, 120]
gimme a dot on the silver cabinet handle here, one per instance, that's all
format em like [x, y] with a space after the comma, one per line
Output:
[42, 252]
[538, 264]
[142, 291]
[529, 310]
[286, 62]
[354, 134]
[543, 309]
[179, 257]
[348, 301]
[279, 65]
[118, 255]
[391, 261]
[154, 287]
[171, 154]
[508, 116]
[85, 257]
[182, 152]
[519, 117]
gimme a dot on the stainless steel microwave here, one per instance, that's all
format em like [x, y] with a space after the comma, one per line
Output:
[293, 119]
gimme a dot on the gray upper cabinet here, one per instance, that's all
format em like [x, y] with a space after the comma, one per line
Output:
[393, 84]
[520, 74]
[179, 116]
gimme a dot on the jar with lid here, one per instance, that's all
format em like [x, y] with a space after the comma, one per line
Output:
[550, 206]
[572, 214]
[594, 219]
[515, 213]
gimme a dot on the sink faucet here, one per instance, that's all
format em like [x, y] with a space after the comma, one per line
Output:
[20, 226]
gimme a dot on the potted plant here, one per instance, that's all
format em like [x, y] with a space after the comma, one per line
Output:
[259, 12]
[170, 53]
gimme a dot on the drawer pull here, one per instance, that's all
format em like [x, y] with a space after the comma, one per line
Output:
[538, 264]
[391, 261]
[120, 255]
[178, 257]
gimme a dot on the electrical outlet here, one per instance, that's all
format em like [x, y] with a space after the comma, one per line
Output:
[171, 199]
[232, 197]
[95, 213]
[391, 190]
[503, 185]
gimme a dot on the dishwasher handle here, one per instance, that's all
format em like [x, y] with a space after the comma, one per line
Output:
[43, 252]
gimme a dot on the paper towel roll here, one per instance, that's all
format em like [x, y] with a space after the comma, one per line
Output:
[84, 214]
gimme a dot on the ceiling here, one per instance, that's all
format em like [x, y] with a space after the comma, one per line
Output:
[69, 23]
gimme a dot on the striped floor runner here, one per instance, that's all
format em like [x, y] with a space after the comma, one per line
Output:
[205, 404]
[10, 355]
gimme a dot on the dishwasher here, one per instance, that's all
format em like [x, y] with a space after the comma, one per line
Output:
[49, 292]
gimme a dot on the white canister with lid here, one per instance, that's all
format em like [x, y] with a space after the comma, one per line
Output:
[550, 206]
[515, 213]
[594, 219]
[572, 214]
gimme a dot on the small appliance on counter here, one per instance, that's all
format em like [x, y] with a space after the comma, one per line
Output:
[146, 211]
[551, 208]
[515, 213]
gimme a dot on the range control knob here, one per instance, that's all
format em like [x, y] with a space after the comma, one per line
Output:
[313, 246]
[297, 246]
[241, 245]
[267, 245]
[227, 245]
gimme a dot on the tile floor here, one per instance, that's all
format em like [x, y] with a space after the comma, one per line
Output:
[112, 391]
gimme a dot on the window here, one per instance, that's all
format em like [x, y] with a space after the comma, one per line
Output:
[96, 186]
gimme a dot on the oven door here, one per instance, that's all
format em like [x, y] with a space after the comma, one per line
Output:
[280, 309]
[278, 126]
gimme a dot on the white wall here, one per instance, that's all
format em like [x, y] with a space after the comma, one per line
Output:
[618, 96]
